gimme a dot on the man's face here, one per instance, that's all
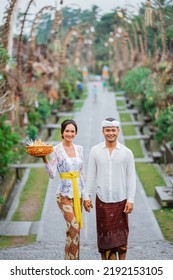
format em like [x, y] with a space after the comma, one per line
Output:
[111, 133]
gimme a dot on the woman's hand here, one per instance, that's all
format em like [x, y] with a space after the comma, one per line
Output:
[88, 205]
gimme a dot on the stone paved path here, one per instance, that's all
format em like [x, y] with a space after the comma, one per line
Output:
[145, 239]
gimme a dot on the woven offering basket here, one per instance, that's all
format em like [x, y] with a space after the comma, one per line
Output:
[39, 151]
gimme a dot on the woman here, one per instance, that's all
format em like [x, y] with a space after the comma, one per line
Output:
[67, 160]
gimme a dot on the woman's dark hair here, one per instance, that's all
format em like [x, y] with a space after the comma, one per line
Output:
[65, 123]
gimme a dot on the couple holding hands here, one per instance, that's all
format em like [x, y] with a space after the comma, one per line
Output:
[110, 174]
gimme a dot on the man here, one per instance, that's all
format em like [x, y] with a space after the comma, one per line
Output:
[111, 173]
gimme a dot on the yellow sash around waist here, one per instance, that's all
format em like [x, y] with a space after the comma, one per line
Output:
[77, 207]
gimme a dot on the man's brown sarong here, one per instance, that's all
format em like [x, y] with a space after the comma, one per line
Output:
[112, 226]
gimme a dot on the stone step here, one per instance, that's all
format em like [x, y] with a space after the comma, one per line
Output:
[27, 165]
[133, 123]
[65, 114]
[164, 195]
[144, 160]
[52, 126]
[120, 92]
[20, 228]
[140, 137]
[53, 143]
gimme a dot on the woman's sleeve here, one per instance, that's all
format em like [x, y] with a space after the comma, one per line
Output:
[51, 166]
[85, 195]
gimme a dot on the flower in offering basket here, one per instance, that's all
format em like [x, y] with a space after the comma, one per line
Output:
[38, 148]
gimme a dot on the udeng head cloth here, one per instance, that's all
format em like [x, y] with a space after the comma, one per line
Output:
[107, 123]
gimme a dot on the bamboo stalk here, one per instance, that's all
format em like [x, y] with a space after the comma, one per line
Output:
[163, 31]
[141, 42]
[20, 42]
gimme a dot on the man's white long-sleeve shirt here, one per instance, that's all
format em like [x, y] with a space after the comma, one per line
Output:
[111, 176]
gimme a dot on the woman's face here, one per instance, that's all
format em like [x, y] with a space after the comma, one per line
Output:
[69, 133]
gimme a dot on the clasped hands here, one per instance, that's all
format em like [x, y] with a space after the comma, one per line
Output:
[127, 210]
[87, 205]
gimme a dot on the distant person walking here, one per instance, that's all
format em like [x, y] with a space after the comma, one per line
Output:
[79, 89]
[104, 85]
[95, 92]
[67, 160]
[111, 173]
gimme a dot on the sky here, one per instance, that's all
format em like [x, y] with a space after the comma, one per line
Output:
[105, 5]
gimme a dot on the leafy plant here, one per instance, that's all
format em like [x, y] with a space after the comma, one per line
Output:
[4, 57]
[149, 96]
[34, 118]
[32, 132]
[164, 125]
[65, 88]
[2, 200]
[43, 107]
[68, 84]
[8, 147]
[133, 81]
[37, 115]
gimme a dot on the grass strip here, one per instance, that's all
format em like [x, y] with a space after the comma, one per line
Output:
[125, 117]
[118, 94]
[164, 217]
[128, 130]
[135, 146]
[78, 105]
[56, 135]
[33, 196]
[120, 103]
[149, 177]
[11, 241]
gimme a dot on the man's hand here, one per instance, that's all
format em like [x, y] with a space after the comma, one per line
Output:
[87, 205]
[128, 208]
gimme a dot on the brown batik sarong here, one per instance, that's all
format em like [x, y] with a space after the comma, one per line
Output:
[112, 226]
[73, 228]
